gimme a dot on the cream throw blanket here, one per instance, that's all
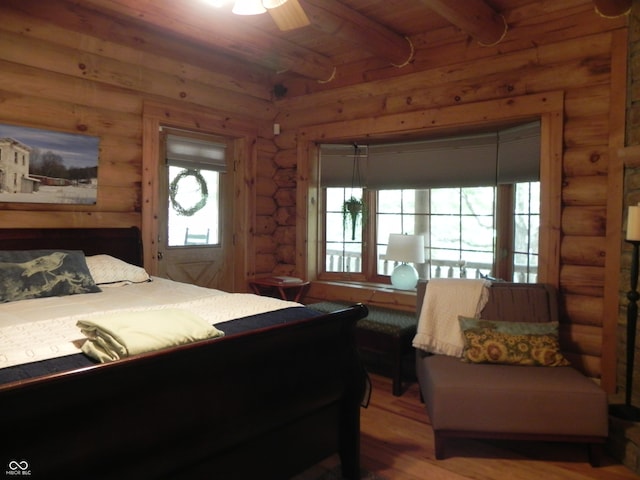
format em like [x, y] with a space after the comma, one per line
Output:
[446, 299]
[115, 336]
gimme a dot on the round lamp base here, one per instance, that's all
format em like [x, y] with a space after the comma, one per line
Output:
[404, 277]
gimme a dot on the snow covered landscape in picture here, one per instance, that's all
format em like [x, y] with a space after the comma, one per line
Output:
[42, 166]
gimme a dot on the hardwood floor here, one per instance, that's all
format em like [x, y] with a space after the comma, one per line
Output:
[397, 443]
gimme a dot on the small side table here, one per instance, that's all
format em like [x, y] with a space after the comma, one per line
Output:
[286, 288]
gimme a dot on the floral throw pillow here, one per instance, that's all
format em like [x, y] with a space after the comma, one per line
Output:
[486, 342]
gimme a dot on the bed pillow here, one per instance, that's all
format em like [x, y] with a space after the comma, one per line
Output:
[26, 274]
[511, 343]
[110, 271]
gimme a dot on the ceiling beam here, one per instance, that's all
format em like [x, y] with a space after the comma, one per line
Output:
[204, 25]
[474, 17]
[334, 18]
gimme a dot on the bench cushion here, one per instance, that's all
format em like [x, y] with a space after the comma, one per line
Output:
[382, 320]
[511, 399]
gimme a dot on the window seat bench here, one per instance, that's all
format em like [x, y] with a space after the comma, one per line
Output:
[383, 332]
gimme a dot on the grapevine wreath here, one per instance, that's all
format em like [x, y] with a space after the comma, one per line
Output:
[173, 192]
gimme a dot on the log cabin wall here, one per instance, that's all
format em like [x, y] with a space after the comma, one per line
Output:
[67, 77]
[59, 72]
[577, 53]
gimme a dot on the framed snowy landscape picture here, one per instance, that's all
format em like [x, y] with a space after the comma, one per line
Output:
[42, 166]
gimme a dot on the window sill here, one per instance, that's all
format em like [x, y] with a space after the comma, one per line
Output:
[378, 294]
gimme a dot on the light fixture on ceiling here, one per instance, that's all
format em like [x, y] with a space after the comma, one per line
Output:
[248, 7]
[268, 4]
[287, 14]
[405, 249]
[255, 7]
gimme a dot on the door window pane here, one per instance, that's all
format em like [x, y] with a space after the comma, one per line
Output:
[194, 201]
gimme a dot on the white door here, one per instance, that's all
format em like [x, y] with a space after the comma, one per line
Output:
[195, 233]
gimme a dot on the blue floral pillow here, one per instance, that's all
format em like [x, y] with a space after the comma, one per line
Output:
[26, 274]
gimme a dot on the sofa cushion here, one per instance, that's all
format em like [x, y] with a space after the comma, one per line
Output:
[507, 399]
[521, 302]
[508, 327]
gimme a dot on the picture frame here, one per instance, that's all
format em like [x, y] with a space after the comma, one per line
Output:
[44, 166]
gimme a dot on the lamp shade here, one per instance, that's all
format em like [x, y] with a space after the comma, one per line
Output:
[287, 16]
[269, 4]
[405, 248]
[633, 223]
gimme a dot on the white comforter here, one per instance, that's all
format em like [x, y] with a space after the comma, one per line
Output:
[32, 330]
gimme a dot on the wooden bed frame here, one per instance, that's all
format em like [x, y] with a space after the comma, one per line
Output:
[263, 404]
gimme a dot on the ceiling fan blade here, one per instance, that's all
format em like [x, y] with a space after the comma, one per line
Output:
[289, 16]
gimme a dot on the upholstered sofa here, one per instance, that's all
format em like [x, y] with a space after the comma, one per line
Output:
[487, 400]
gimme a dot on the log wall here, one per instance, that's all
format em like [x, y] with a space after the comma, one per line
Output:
[576, 52]
[82, 74]
[58, 72]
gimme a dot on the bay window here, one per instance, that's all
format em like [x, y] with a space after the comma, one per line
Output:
[474, 198]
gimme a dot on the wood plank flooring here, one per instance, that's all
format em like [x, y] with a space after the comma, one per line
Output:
[397, 443]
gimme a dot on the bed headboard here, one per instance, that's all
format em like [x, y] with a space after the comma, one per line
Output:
[122, 243]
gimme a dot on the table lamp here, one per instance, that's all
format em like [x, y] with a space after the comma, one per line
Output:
[405, 249]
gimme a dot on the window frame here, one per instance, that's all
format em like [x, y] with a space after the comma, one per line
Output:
[547, 107]
[504, 249]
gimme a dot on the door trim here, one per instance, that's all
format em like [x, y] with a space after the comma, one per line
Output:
[244, 137]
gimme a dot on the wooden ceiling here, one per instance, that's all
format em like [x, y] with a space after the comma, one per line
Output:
[340, 32]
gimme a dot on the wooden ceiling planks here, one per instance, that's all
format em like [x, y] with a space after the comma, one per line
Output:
[342, 36]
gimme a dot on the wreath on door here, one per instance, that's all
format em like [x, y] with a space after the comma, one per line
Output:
[175, 186]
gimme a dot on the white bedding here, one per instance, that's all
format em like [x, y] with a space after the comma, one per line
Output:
[38, 329]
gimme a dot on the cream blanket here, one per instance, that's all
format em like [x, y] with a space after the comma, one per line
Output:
[446, 299]
[111, 337]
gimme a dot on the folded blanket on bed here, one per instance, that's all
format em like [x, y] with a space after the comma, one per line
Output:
[115, 336]
[445, 299]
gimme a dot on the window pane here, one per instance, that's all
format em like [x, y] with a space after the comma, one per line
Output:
[343, 257]
[477, 233]
[335, 199]
[445, 201]
[445, 231]
[343, 232]
[526, 231]
[194, 201]
[388, 224]
[462, 241]
[458, 225]
[527, 198]
[389, 201]
[477, 201]
[525, 268]
[396, 213]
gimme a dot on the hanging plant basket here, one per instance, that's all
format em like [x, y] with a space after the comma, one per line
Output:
[353, 212]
